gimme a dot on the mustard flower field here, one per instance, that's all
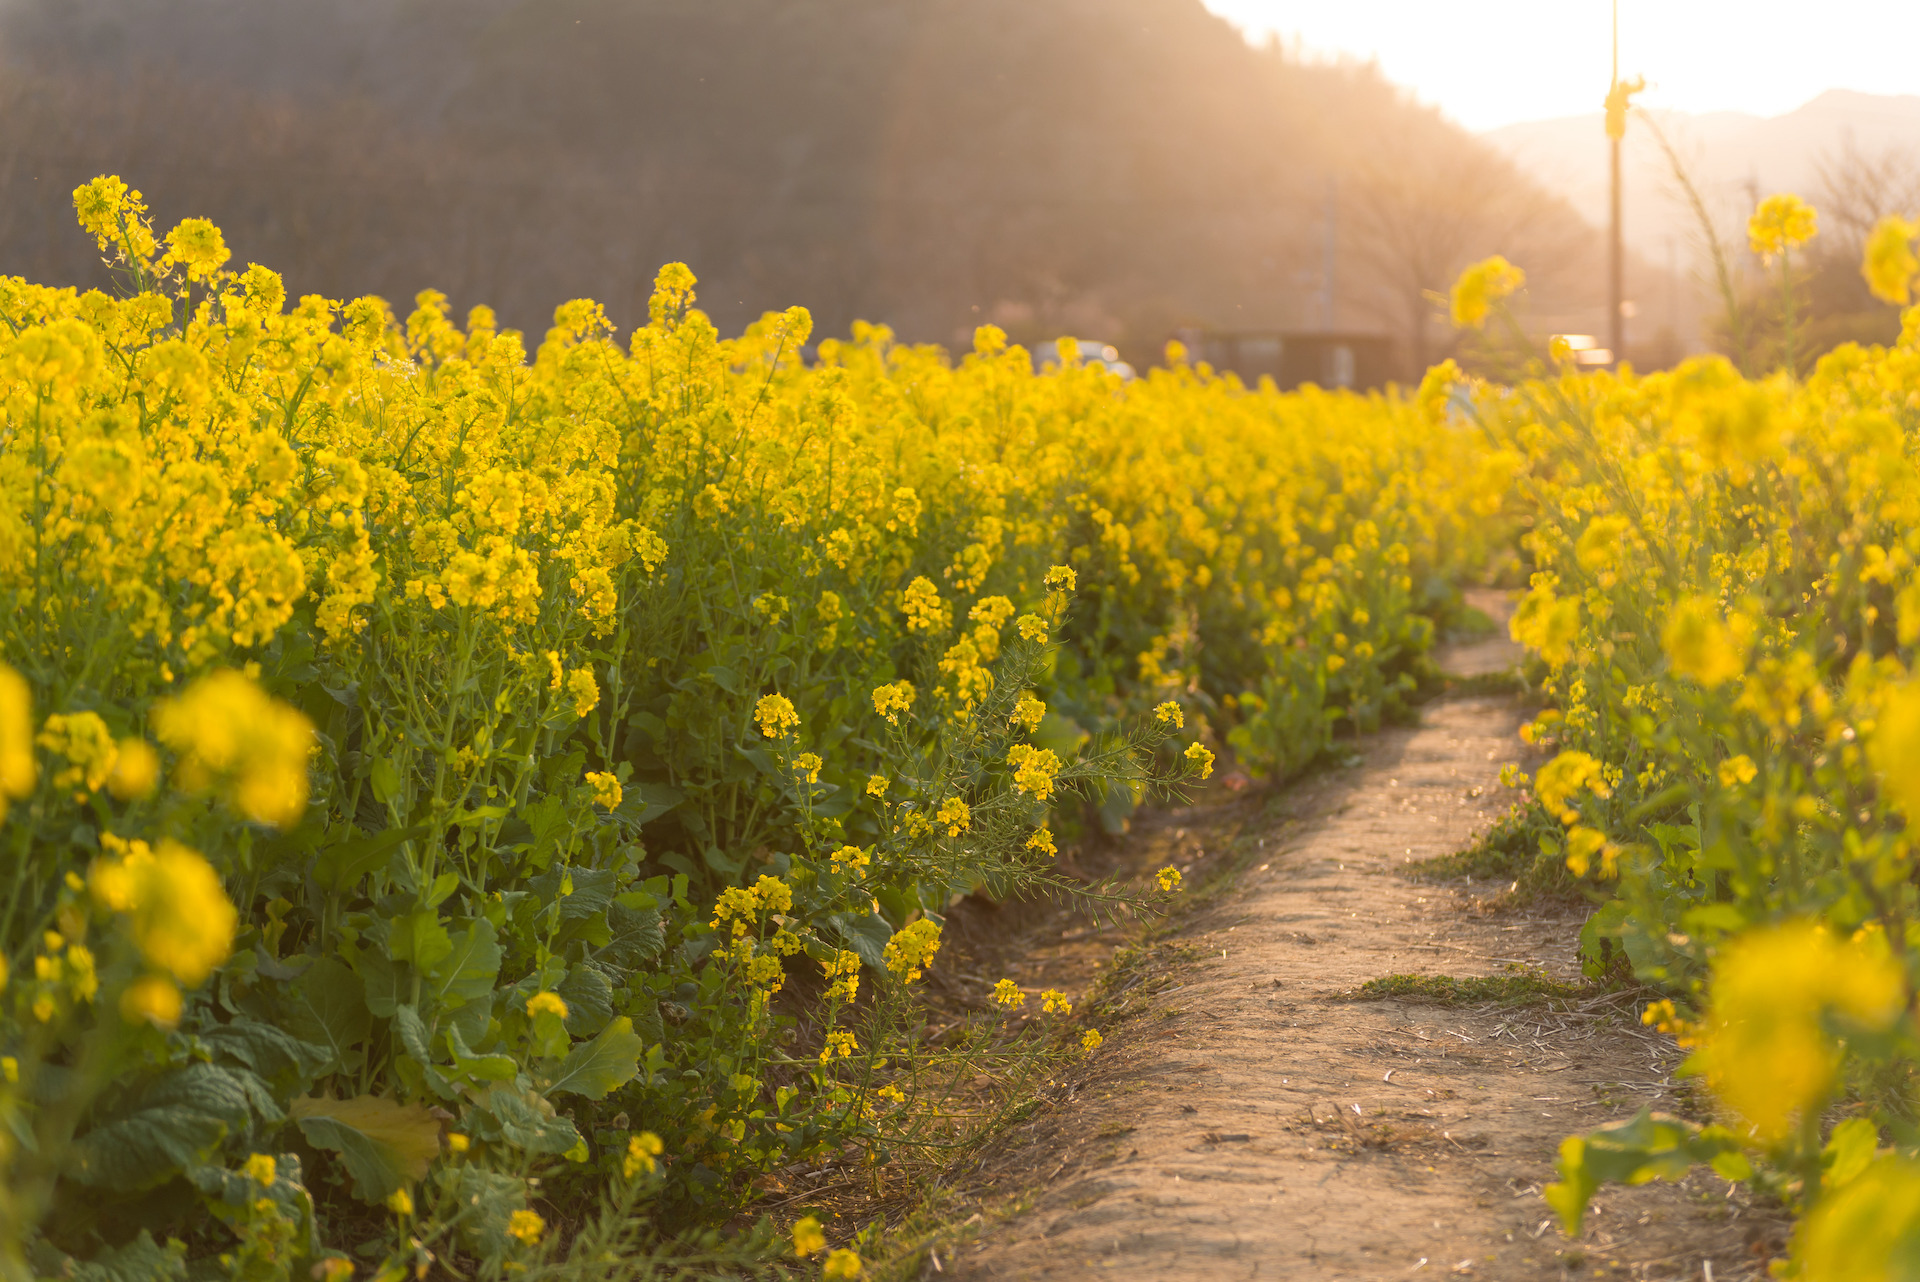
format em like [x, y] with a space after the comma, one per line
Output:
[479, 809]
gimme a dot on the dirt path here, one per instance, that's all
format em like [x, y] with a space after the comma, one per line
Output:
[1247, 1119]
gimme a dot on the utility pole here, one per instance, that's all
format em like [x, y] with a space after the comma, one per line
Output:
[1619, 95]
[1329, 252]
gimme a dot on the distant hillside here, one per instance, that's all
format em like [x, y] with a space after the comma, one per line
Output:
[1113, 168]
[1731, 157]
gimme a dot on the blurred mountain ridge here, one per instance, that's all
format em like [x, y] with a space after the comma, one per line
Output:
[1733, 158]
[1114, 168]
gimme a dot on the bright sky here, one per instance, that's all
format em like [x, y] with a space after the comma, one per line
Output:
[1495, 62]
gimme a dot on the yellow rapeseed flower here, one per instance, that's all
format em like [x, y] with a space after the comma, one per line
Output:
[261, 1169]
[1200, 759]
[775, 716]
[1481, 286]
[1008, 994]
[547, 1004]
[19, 773]
[151, 999]
[1041, 842]
[1029, 711]
[1033, 769]
[1169, 878]
[400, 1202]
[1054, 1002]
[912, 948]
[182, 919]
[843, 1265]
[1090, 1041]
[1170, 714]
[955, 814]
[892, 700]
[1888, 263]
[229, 731]
[527, 1226]
[877, 786]
[1702, 645]
[807, 765]
[606, 789]
[642, 1151]
[1781, 222]
[807, 1237]
[136, 770]
[1765, 1049]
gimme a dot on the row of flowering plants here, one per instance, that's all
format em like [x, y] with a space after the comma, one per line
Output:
[1725, 609]
[462, 804]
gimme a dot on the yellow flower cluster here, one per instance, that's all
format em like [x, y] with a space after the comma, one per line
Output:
[229, 732]
[1033, 770]
[911, 949]
[178, 911]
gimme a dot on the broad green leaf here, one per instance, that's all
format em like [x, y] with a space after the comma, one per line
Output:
[867, 934]
[468, 971]
[637, 935]
[342, 864]
[1646, 1147]
[327, 1007]
[141, 1260]
[382, 979]
[420, 938]
[268, 1050]
[592, 890]
[487, 1201]
[589, 998]
[524, 1120]
[479, 1068]
[385, 777]
[1850, 1150]
[176, 1123]
[596, 1068]
[231, 1195]
[383, 1144]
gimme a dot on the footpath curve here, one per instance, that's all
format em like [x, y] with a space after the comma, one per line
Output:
[1248, 1119]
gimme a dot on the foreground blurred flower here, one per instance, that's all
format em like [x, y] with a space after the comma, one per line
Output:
[230, 732]
[1889, 264]
[1480, 287]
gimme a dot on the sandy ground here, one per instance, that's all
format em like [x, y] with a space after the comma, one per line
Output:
[1248, 1119]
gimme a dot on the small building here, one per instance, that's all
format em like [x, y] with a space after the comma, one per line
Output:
[1326, 358]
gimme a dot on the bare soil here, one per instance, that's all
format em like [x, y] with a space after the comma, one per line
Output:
[1248, 1117]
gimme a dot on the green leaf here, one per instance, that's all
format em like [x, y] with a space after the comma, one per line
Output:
[1850, 1149]
[140, 1260]
[382, 979]
[327, 1007]
[267, 1050]
[524, 1120]
[656, 799]
[596, 1068]
[1646, 1147]
[385, 777]
[231, 1196]
[589, 998]
[383, 1144]
[469, 969]
[637, 934]
[340, 866]
[487, 1201]
[175, 1123]
[479, 1068]
[867, 934]
[421, 938]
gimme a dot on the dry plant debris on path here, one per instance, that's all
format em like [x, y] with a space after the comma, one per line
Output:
[1249, 1119]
